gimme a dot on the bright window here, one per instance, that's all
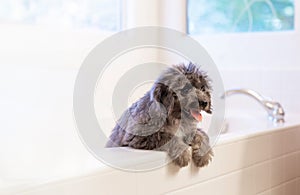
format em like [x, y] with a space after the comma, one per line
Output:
[224, 16]
[75, 14]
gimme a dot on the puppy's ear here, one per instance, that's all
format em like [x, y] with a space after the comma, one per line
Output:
[164, 95]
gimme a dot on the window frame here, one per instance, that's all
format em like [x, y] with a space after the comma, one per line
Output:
[265, 50]
[187, 25]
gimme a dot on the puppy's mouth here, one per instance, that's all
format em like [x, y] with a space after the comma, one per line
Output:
[196, 114]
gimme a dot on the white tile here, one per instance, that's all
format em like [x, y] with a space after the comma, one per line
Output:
[268, 192]
[262, 175]
[277, 147]
[111, 183]
[298, 186]
[288, 188]
[237, 183]
[257, 149]
[291, 166]
[291, 188]
[298, 163]
[291, 140]
[277, 171]
[228, 158]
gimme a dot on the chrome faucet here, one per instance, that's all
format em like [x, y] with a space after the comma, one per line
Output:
[274, 109]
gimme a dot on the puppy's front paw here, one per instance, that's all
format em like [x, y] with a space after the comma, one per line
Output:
[201, 151]
[201, 159]
[183, 159]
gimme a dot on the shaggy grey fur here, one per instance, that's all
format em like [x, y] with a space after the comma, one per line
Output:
[162, 120]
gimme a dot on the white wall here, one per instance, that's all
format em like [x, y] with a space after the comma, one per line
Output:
[266, 62]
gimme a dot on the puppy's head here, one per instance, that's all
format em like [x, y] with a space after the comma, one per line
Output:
[184, 90]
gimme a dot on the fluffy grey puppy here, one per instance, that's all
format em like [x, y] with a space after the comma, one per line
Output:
[166, 117]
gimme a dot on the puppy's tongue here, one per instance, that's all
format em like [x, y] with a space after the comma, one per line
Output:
[197, 115]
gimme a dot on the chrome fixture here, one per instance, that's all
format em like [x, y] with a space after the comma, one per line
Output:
[274, 109]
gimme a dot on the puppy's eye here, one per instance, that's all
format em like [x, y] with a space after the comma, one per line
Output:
[186, 88]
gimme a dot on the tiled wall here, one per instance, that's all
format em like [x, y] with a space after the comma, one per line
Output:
[279, 85]
[274, 176]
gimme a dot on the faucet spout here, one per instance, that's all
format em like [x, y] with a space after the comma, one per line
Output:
[274, 109]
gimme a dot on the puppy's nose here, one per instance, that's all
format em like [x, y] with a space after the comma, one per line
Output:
[202, 104]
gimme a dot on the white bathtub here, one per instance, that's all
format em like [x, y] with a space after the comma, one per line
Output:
[41, 152]
[256, 161]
